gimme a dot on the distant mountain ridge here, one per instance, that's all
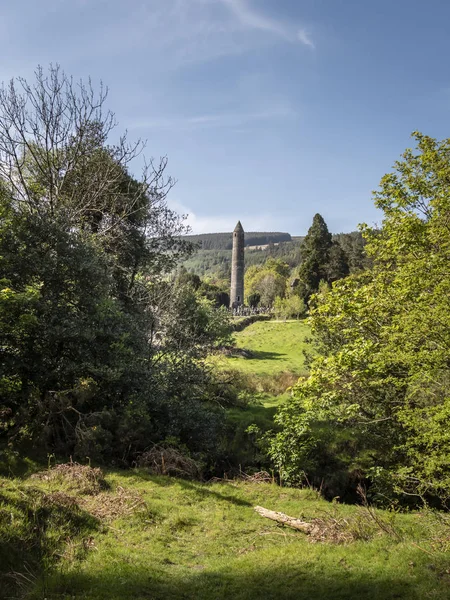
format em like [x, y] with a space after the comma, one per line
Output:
[224, 241]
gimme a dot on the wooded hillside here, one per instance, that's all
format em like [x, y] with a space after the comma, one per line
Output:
[224, 241]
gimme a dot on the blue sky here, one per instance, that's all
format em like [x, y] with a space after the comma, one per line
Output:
[269, 110]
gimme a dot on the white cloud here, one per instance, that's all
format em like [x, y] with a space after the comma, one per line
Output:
[226, 222]
[305, 38]
[180, 32]
[251, 19]
[211, 121]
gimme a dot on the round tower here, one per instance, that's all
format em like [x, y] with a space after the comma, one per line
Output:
[237, 268]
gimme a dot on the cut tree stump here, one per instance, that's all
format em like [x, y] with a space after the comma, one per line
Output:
[285, 519]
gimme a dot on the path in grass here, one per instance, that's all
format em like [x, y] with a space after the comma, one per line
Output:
[186, 540]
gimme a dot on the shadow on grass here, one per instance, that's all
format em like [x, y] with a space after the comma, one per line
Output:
[263, 355]
[33, 530]
[280, 582]
[198, 488]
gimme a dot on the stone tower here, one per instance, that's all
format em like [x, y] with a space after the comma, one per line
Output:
[237, 268]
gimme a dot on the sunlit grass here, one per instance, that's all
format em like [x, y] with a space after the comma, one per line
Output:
[188, 540]
[276, 347]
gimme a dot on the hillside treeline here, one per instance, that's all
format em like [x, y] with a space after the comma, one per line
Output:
[224, 241]
[216, 264]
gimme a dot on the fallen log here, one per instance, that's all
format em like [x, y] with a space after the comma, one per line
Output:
[280, 517]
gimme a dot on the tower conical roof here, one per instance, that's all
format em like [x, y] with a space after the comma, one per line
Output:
[239, 227]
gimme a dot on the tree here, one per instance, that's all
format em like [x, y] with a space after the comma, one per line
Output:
[269, 285]
[268, 281]
[353, 245]
[101, 353]
[277, 266]
[55, 162]
[338, 266]
[291, 307]
[376, 403]
[254, 299]
[315, 253]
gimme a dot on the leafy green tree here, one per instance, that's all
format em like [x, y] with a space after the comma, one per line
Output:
[289, 308]
[215, 293]
[277, 266]
[268, 281]
[353, 244]
[186, 278]
[254, 299]
[101, 353]
[268, 284]
[376, 403]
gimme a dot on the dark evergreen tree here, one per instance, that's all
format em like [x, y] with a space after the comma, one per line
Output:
[338, 266]
[353, 244]
[315, 257]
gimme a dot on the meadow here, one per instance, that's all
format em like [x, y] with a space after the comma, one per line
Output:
[267, 359]
[130, 535]
[275, 347]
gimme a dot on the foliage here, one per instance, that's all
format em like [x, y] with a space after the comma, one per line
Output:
[353, 244]
[290, 307]
[338, 266]
[254, 299]
[218, 294]
[101, 352]
[268, 281]
[315, 257]
[376, 402]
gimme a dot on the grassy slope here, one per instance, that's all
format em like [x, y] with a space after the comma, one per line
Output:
[277, 362]
[277, 347]
[196, 541]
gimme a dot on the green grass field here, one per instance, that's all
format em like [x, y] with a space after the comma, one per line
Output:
[276, 347]
[158, 538]
[274, 363]
[275, 358]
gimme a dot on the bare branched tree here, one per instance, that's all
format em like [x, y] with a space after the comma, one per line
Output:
[54, 157]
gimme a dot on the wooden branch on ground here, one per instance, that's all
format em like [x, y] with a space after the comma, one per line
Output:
[285, 519]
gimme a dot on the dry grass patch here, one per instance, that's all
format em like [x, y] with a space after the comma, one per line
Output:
[109, 506]
[92, 492]
[169, 461]
[81, 479]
